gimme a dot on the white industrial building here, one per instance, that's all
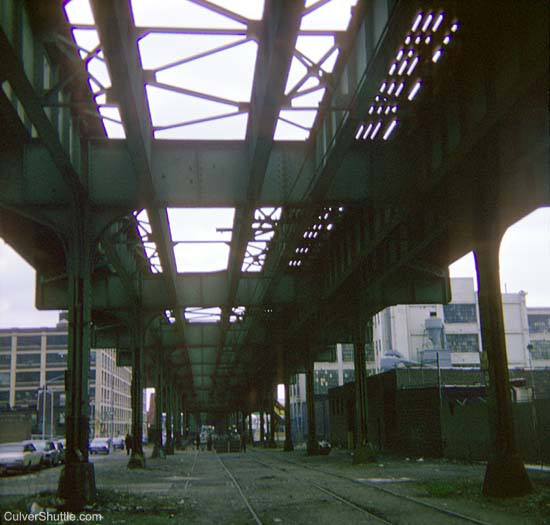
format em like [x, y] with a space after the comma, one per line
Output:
[402, 329]
[35, 359]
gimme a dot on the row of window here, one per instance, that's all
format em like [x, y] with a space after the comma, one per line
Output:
[539, 323]
[29, 360]
[34, 341]
[460, 313]
[540, 349]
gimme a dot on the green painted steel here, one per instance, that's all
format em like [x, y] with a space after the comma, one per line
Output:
[407, 205]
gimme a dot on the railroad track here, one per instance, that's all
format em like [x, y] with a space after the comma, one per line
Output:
[240, 490]
[190, 473]
[410, 499]
[360, 508]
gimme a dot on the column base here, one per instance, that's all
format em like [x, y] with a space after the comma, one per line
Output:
[506, 477]
[312, 448]
[137, 460]
[364, 454]
[288, 446]
[76, 486]
[158, 452]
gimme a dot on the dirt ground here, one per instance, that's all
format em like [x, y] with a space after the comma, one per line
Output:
[194, 487]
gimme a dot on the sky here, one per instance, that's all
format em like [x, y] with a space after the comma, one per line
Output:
[226, 76]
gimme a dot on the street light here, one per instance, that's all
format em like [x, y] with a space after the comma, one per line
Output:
[44, 388]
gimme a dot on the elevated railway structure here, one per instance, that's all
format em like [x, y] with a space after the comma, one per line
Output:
[429, 137]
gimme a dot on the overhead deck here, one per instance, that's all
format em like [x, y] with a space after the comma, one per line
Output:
[387, 213]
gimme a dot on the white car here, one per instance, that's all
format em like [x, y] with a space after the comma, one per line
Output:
[100, 446]
[19, 456]
[48, 450]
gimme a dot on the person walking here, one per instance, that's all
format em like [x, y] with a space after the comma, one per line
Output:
[243, 442]
[128, 443]
[198, 441]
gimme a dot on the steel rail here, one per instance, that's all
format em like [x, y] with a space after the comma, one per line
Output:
[390, 492]
[329, 492]
[244, 498]
[190, 473]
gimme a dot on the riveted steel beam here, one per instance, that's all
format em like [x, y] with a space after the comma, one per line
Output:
[278, 32]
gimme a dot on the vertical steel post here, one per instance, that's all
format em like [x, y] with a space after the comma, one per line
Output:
[262, 429]
[288, 446]
[177, 420]
[137, 458]
[272, 421]
[250, 430]
[362, 333]
[169, 398]
[77, 480]
[505, 475]
[312, 443]
[158, 449]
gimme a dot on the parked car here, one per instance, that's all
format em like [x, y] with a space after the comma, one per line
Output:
[60, 445]
[50, 454]
[118, 442]
[19, 456]
[100, 446]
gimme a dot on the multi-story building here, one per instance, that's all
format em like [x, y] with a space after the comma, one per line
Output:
[335, 369]
[33, 362]
[402, 329]
[539, 335]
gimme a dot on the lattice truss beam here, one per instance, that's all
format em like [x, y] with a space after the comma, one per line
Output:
[308, 220]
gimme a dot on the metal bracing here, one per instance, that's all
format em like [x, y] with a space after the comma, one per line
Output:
[389, 209]
[278, 38]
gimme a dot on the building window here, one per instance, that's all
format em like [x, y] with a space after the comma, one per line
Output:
[460, 313]
[56, 340]
[56, 359]
[4, 397]
[28, 341]
[26, 397]
[463, 342]
[347, 353]
[5, 342]
[325, 379]
[538, 323]
[5, 360]
[4, 379]
[328, 356]
[27, 377]
[541, 349]
[28, 360]
[55, 376]
[349, 376]
[92, 357]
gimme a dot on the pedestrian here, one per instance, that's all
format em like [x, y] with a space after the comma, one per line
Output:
[128, 443]
[243, 442]
[198, 441]
[209, 442]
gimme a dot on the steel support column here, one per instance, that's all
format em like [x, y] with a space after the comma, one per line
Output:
[288, 446]
[77, 480]
[362, 334]
[505, 475]
[272, 416]
[158, 449]
[262, 429]
[250, 431]
[177, 420]
[169, 401]
[312, 442]
[137, 459]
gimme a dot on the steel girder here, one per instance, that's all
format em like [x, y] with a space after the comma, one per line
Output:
[279, 32]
